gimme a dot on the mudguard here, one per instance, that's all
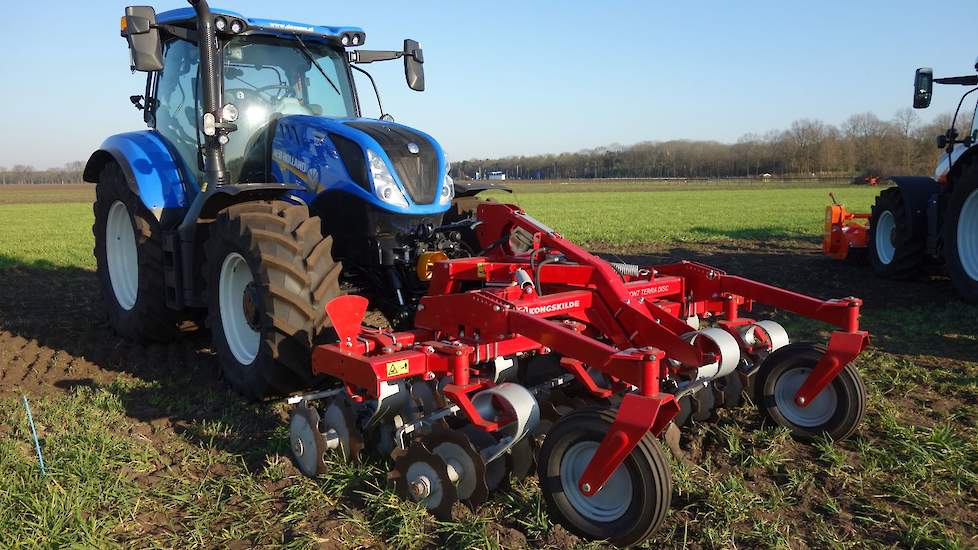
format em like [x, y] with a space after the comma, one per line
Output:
[917, 191]
[152, 171]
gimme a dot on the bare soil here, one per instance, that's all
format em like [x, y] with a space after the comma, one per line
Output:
[53, 338]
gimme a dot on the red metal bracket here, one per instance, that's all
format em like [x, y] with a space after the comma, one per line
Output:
[576, 368]
[347, 313]
[637, 416]
[843, 348]
[460, 396]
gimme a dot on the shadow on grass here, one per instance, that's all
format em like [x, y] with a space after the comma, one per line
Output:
[177, 384]
[752, 233]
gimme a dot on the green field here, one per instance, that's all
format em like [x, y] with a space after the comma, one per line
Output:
[147, 447]
[59, 234]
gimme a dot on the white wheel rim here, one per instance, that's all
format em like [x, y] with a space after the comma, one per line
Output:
[241, 338]
[121, 255]
[885, 227]
[818, 412]
[608, 504]
[968, 236]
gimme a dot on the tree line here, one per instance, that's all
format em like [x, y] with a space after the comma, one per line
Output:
[27, 174]
[863, 145]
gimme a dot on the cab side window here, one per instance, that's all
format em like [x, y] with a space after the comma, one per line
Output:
[177, 97]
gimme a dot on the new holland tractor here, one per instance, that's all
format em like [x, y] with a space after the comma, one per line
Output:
[256, 178]
[922, 219]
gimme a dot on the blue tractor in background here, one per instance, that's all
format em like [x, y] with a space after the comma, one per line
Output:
[258, 191]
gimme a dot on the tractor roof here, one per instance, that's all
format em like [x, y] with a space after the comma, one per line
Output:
[264, 26]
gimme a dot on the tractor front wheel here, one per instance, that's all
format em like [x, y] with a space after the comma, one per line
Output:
[835, 412]
[633, 502]
[269, 273]
[129, 261]
[895, 252]
[961, 235]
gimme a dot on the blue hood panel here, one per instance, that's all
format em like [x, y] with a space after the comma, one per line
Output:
[315, 152]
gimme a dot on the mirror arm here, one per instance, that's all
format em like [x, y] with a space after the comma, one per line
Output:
[180, 32]
[369, 56]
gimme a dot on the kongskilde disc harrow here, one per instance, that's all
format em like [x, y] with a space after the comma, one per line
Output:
[536, 351]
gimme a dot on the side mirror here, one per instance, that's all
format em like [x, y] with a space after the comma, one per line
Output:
[414, 65]
[923, 87]
[145, 48]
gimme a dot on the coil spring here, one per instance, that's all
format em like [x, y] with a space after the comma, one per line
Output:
[629, 270]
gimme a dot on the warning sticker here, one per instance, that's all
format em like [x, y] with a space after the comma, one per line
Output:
[397, 368]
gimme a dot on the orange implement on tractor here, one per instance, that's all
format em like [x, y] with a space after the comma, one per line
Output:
[844, 237]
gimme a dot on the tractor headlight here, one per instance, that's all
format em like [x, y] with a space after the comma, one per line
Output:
[384, 186]
[447, 186]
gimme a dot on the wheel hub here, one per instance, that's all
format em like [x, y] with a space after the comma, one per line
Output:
[250, 306]
[608, 504]
[818, 412]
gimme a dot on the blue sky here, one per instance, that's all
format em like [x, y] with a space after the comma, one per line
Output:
[508, 77]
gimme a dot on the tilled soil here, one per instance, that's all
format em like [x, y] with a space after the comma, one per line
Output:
[53, 338]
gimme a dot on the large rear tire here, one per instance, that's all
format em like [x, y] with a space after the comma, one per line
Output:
[895, 252]
[961, 235]
[129, 261]
[269, 274]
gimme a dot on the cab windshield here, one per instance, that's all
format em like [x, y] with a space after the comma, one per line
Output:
[265, 77]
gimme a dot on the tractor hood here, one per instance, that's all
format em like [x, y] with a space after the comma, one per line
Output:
[362, 156]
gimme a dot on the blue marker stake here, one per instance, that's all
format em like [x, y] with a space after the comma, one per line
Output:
[37, 442]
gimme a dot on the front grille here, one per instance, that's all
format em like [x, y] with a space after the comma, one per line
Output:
[419, 171]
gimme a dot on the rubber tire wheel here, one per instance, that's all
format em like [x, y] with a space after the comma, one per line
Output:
[849, 388]
[149, 319]
[284, 248]
[908, 252]
[647, 466]
[964, 187]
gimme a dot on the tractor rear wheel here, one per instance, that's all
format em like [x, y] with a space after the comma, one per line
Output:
[633, 502]
[129, 261]
[895, 252]
[836, 411]
[269, 273]
[961, 234]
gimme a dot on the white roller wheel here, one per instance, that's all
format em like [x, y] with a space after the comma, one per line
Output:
[608, 504]
[121, 255]
[242, 338]
[727, 346]
[885, 231]
[514, 401]
[817, 413]
[776, 334]
[968, 236]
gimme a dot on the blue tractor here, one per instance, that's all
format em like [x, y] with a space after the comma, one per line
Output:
[258, 191]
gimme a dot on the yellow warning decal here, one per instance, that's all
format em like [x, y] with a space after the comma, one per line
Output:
[480, 270]
[397, 368]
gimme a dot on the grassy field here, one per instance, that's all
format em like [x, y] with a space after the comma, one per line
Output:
[59, 234]
[145, 446]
